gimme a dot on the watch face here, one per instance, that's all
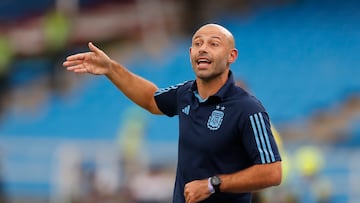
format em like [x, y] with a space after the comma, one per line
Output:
[215, 180]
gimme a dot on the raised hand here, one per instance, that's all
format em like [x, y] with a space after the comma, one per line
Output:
[95, 62]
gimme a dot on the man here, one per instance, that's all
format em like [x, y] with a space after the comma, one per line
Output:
[226, 147]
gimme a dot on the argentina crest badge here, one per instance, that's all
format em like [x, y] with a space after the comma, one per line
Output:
[216, 118]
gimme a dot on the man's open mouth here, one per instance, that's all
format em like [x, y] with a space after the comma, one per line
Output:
[203, 61]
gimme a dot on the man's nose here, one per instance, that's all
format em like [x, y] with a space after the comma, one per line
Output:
[203, 48]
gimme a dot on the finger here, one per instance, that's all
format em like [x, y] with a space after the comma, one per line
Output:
[80, 56]
[187, 197]
[94, 49]
[81, 70]
[72, 63]
[76, 67]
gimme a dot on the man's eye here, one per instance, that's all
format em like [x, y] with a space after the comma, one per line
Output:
[214, 44]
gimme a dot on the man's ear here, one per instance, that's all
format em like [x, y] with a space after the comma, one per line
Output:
[233, 55]
[190, 54]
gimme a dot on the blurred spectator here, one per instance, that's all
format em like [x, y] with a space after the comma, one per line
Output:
[311, 187]
[88, 187]
[153, 186]
[66, 178]
[6, 55]
[131, 142]
[56, 27]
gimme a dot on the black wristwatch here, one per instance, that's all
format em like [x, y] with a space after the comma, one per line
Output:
[216, 182]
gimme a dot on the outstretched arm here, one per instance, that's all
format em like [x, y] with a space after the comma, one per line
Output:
[254, 178]
[136, 88]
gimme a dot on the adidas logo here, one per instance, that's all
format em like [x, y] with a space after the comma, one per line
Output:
[186, 110]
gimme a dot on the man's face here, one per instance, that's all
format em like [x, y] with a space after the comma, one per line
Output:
[211, 52]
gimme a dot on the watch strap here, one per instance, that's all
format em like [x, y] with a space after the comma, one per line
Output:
[210, 186]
